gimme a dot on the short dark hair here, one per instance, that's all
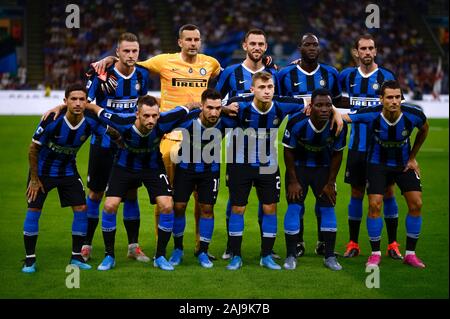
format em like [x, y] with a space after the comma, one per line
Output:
[390, 84]
[147, 100]
[255, 31]
[75, 87]
[263, 75]
[309, 34]
[189, 27]
[211, 94]
[366, 36]
[321, 92]
[127, 36]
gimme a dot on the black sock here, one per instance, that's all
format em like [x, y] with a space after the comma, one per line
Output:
[267, 245]
[261, 233]
[411, 243]
[163, 240]
[92, 225]
[29, 261]
[319, 232]
[375, 245]
[30, 244]
[227, 221]
[235, 245]
[300, 233]
[132, 227]
[77, 257]
[330, 241]
[291, 244]
[391, 227]
[109, 240]
[353, 227]
[178, 242]
[203, 247]
[77, 243]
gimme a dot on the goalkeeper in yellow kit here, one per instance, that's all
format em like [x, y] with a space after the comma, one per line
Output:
[184, 76]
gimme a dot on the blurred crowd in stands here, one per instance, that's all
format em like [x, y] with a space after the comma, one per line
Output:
[223, 25]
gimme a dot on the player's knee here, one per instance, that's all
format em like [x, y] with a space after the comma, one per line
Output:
[79, 208]
[269, 208]
[36, 210]
[358, 192]
[206, 211]
[165, 206]
[415, 206]
[374, 208]
[96, 196]
[389, 192]
[111, 207]
[238, 209]
[179, 209]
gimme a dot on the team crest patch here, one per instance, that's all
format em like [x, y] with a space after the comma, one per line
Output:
[202, 71]
[375, 86]
[138, 86]
[405, 133]
[322, 83]
[83, 138]
[276, 121]
[190, 70]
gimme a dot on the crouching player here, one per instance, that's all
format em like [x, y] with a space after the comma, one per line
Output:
[313, 155]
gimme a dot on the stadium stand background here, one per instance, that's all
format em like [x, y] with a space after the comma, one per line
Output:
[413, 35]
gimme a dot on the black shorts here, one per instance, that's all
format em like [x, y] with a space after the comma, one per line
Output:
[314, 177]
[380, 176]
[241, 178]
[100, 164]
[70, 190]
[123, 179]
[186, 181]
[356, 169]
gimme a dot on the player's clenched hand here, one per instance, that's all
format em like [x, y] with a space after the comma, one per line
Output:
[33, 189]
[56, 110]
[329, 191]
[294, 191]
[231, 109]
[412, 164]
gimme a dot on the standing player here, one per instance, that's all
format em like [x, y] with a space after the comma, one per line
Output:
[199, 168]
[300, 80]
[236, 80]
[362, 84]
[52, 165]
[313, 156]
[184, 76]
[117, 92]
[391, 159]
[139, 162]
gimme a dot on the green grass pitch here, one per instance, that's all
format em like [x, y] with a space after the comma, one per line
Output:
[131, 279]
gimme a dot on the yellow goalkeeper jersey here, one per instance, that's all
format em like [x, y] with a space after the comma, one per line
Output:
[181, 82]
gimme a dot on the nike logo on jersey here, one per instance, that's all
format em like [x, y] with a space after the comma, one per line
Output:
[297, 84]
[247, 120]
[241, 82]
[352, 85]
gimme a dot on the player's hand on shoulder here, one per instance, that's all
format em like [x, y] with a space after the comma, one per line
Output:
[231, 109]
[193, 105]
[268, 62]
[56, 110]
[101, 66]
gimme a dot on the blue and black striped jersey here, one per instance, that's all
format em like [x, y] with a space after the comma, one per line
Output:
[117, 94]
[201, 149]
[141, 151]
[60, 142]
[296, 82]
[313, 147]
[363, 91]
[390, 142]
[236, 80]
[256, 146]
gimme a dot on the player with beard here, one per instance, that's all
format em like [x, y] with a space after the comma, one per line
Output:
[362, 83]
[236, 80]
